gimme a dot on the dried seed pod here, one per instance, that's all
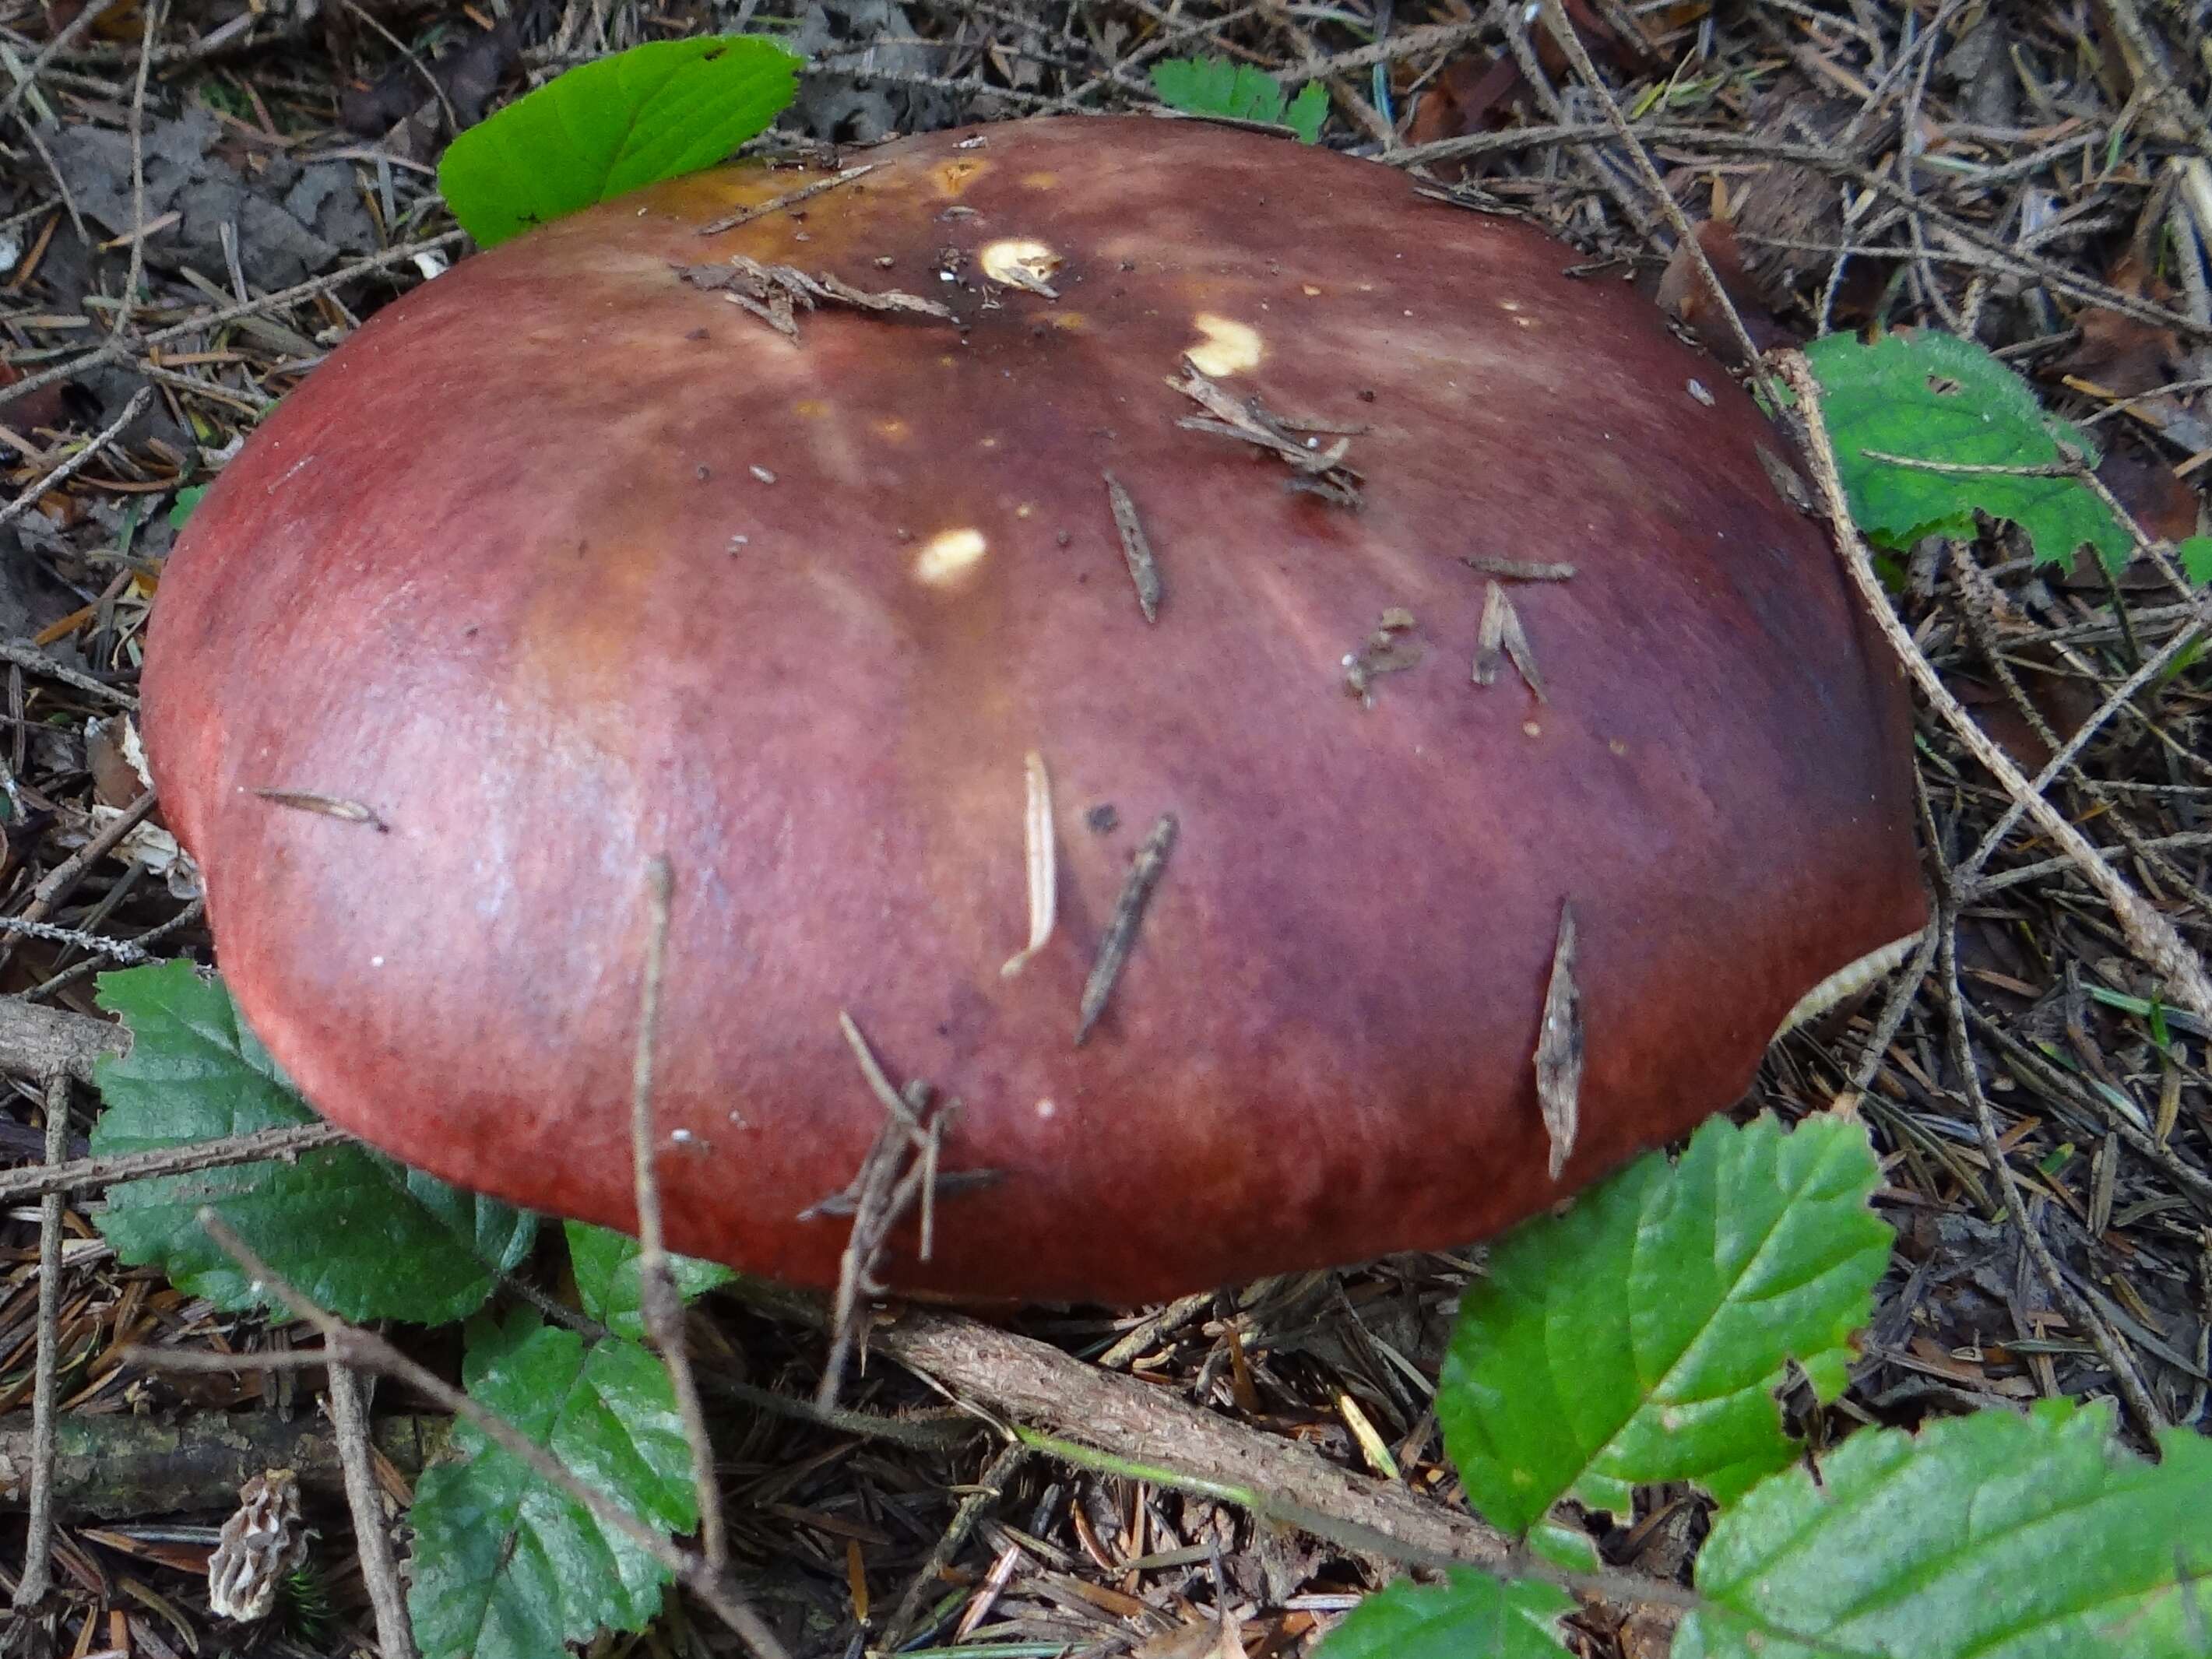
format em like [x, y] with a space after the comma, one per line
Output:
[503, 573]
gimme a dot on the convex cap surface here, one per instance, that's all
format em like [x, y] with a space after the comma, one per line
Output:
[782, 550]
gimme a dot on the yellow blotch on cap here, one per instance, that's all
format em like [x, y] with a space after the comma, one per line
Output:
[949, 554]
[1225, 345]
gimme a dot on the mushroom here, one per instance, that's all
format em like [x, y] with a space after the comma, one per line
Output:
[1159, 634]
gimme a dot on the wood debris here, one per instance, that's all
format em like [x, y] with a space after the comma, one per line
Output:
[329, 807]
[790, 198]
[1121, 935]
[1559, 1048]
[1517, 570]
[1038, 858]
[1314, 470]
[1787, 484]
[1388, 650]
[1136, 548]
[1504, 639]
[775, 294]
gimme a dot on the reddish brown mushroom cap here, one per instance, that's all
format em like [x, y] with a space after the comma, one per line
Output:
[571, 558]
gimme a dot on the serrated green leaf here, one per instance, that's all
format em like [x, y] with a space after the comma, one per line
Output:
[1307, 112]
[365, 1236]
[1214, 85]
[508, 1567]
[1470, 1615]
[2196, 555]
[606, 1266]
[1640, 1336]
[1995, 1536]
[1935, 398]
[655, 112]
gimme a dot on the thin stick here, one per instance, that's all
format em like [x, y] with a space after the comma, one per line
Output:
[152, 19]
[2085, 1318]
[59, 883]
[2153, 667]
[85, 1172]
[790, 198]
[987, 1491]
[54, 48]
[2152, 937]
[658, 1299]
[110, 352]
[33, 492]
[38, 1551]
[1563, 32]
[395, 1636]
[370, 1352]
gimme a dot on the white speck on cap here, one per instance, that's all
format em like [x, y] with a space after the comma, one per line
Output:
[945, 555]
[1227, 347]
[1045, 1108]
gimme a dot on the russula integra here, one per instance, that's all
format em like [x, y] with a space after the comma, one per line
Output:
[816, 554]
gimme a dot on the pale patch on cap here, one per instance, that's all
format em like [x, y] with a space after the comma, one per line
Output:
[1227, 346]
[1020, 262]
[949, 554]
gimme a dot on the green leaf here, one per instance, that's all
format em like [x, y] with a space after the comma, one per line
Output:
[613, 126]
[606, 1265]
[2001, 1536]
[1214, 85]
[365, 1236]
[509, 1567]
[1641, 1336]
[181, 508]
[1469, 1616]
[1934, 397]
[2196, 555]
[1307, 112]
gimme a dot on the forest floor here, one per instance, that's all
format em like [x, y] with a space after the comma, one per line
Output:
[198, 201]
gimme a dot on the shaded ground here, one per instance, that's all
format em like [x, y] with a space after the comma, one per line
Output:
[2040, 176]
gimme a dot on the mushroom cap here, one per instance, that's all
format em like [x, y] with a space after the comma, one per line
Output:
[568, 560]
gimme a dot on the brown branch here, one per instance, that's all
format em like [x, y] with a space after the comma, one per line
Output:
[82, 1173]
[38, 1551]
[39, 1042]
[395, 1636]
[118, 1466]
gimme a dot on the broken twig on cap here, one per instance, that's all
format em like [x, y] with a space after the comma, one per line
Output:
[1136, 548]
[1038, 858]
[1121, 937]
[774, 293]
[1502, 639]
[790, 198]
[1559, 1048]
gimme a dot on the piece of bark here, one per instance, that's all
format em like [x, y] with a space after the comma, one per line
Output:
[110, 1468]
[36, 1042]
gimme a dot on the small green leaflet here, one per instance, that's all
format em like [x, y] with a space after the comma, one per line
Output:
[1640, 1337]
[1214, 85]
[1935, 398]
[613, 126]
[181, 508]
[606, 1266]
[1470, 1615]
[366, 1238]
[2196, 555]
[507, 1567]
[1995, 1536]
